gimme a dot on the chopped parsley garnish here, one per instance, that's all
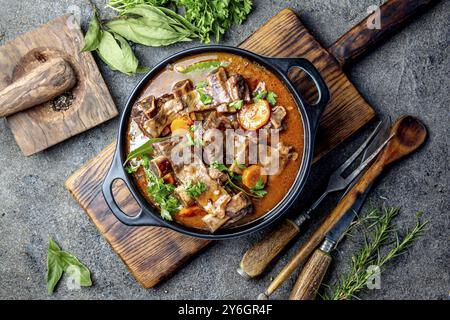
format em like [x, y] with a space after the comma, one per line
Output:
[260, 95]
[195, 189]
[258, 188]
[272, 98]
[237, 104]
[162, 193]
[204, 97]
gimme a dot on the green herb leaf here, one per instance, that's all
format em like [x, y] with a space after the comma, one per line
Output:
[195, 189]
[237, 104]
[239, 165]
[162, 193]
[260, 95]
[220, 166]
[145, 149]
[258, 188]
[59, 261]
[117, 54]
[54, 267]
[202, 65]
[214, 17]
[378, 235]
[204, 98]
[201, 84]
[272, 98]
[94, 34]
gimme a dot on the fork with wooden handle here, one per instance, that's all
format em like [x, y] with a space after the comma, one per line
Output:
[353, 44]
[259, 256]
[407, 134]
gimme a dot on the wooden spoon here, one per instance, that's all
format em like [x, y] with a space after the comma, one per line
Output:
[408, 133]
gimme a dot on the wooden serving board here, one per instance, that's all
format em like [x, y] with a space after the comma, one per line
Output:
[40, 127]
[153, 253]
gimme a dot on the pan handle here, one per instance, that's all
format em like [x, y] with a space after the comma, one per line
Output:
[144, 217]
[313, 111]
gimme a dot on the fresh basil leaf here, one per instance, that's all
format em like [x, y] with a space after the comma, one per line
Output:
[142, 32]
[145, 149]
[74, 268]
[54, 266]
[93, 35]
[59, 261]
[202, 65]
[117, 54]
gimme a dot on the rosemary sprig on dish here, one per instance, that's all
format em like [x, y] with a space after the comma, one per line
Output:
[379, 235]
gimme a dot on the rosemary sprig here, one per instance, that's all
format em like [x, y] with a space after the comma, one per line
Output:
[370, 254]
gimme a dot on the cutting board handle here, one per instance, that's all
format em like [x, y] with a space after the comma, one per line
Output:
[391, 16]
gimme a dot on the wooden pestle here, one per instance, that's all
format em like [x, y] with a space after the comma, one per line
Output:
[40, 85]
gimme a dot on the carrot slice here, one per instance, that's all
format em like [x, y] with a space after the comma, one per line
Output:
[251, 175]
[191, 211]
[254, 116]
[181, 123]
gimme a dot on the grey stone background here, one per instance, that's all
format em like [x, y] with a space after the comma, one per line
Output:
[407, 75]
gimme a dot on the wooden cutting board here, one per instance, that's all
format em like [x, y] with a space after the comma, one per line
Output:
[40, 127]
[153, 253]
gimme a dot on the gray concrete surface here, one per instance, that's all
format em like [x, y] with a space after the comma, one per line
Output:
[407, 75]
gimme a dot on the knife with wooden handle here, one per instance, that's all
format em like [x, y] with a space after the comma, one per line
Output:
[43, 83]
[408, 134]
[353, 44]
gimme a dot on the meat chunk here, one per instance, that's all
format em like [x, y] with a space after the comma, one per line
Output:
[214, 222]
[238, 88]
[160, 166]
[167, 110]
[215, 198]
[239, 205]
[217, 121]
[218, 88]
[143, 110]
[218, 175]
[278, 114]
[185, 199]
[276, 159]
[190, 98]
[260, 87]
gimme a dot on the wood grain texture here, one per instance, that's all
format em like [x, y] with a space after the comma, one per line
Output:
[285, 36]
[151, 253]
[407, 134]
[40, 127]
[42, 84]
[391, 15]
[310, 279]
[258, 257]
